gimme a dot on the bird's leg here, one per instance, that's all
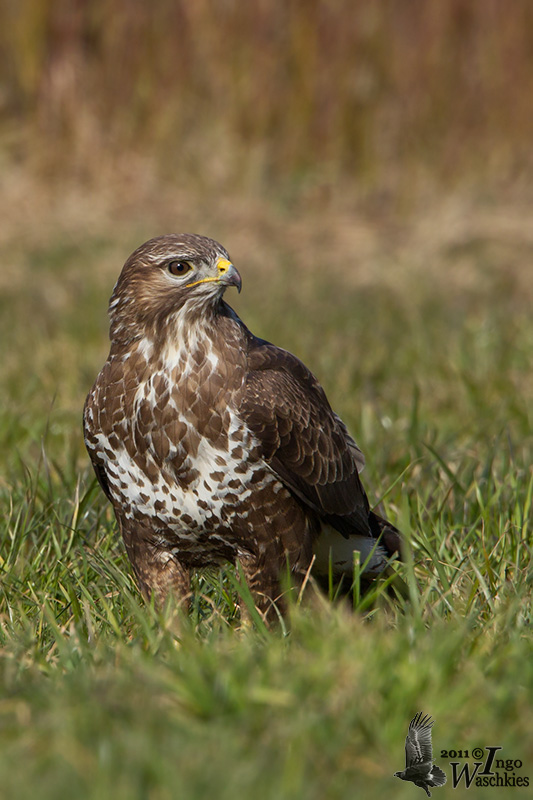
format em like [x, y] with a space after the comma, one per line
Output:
[159, 574]
[263, 579]
[272, 577]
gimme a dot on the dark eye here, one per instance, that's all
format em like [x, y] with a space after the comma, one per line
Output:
[179, 267]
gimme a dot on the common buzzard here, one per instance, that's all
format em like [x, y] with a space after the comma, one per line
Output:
[214, 445]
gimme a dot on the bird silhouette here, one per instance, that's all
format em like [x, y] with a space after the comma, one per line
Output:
[419, 766]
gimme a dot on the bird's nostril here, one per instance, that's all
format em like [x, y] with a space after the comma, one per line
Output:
[223, 266]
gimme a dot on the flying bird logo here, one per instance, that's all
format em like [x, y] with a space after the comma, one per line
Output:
[419, 766]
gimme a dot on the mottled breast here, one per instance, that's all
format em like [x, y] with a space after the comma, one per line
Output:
[177, 454]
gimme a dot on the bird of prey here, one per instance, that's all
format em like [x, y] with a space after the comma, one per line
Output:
[419, 766]
[216, 446]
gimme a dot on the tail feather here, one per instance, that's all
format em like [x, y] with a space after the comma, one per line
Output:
[385, 531]
[436, 777]
[331, 549]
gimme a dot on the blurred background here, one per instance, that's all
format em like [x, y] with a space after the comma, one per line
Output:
[367, 165]
[282, 98]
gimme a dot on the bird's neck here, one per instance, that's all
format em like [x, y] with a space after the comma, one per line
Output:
[171, 342]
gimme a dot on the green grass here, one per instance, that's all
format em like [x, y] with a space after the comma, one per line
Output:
[100, 696]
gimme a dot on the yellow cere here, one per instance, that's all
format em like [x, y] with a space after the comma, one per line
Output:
[222, 265]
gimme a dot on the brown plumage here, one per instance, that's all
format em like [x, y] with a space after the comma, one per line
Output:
[214, 445]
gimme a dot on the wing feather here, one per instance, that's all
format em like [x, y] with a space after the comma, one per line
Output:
[98, 468]
[302, 439]
[418, 746]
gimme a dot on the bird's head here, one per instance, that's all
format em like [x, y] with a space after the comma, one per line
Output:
[169, 275]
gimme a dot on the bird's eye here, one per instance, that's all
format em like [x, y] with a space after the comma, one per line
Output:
[179, 268]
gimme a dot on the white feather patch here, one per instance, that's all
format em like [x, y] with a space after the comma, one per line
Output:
[332, 547]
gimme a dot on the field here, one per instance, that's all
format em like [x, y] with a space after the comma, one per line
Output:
[409, 294]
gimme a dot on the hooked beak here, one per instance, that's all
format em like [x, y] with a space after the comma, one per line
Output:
[228, 274]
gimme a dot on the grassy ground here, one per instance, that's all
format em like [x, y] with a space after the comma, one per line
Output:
[421, 332]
